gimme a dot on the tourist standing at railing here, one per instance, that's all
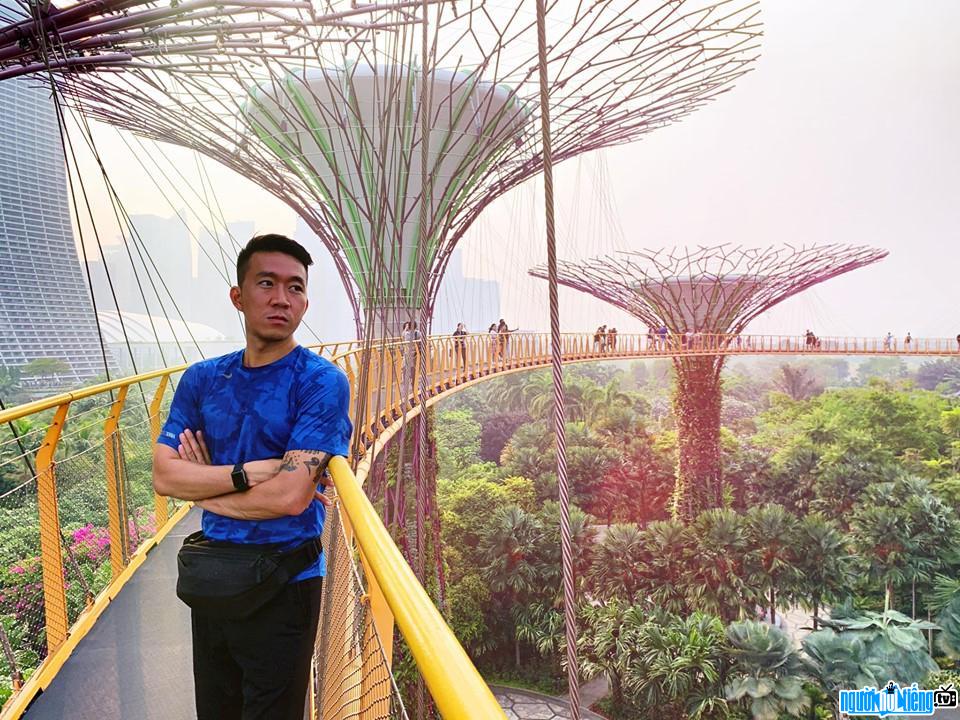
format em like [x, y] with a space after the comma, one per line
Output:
[248, 437]
[958, 343]
[494, 340]
[906, 342]
[503, 333]
[652, 339]
[599, 335]
[663, 332]
[888, 341]
[409, 335]
[612, 339]
[460, 346]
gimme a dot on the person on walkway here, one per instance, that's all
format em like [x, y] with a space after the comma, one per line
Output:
[494, 341]
[409, 334]
[888, 341]
[503, 332]
[612, 339]
[248, 438]
[906, 342]
[652, 339]
[958, 342]
[460, 347]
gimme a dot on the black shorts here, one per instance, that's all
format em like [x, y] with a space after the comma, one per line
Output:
[257, 668]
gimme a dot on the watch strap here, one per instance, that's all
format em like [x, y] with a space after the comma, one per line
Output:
[239, 477]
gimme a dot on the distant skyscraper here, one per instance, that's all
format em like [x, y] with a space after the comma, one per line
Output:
[472, 301]
[45, 308]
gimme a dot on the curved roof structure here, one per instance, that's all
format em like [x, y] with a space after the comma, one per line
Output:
[151, 329]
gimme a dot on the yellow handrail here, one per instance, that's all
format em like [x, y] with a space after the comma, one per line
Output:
[454, 683]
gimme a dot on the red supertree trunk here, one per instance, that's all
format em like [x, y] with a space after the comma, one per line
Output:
[697, 402]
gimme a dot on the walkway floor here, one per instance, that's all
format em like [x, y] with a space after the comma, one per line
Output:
[136, 660]
[529, 705]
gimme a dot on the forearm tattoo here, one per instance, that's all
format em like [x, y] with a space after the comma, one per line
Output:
[315, 462]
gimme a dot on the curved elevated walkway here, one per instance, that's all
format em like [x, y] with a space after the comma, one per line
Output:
[135, 663]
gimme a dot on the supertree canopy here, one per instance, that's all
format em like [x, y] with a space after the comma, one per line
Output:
[335, 129]
[92, 35]
[712, 291]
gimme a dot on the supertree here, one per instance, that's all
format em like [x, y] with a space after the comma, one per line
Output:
[705, 297]
[104, 35]
[335, 130]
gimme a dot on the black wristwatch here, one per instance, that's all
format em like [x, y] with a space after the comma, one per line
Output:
[239, 477]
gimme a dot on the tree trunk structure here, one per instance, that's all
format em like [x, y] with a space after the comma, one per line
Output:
[697, 403]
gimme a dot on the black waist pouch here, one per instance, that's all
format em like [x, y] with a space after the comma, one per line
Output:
[231, 580]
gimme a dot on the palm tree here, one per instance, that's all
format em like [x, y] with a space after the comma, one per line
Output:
[900, 531]
[507, 549]
[618, 563]
[507, 394]
[718, 581]
[608, 644]
[542, 626]
[797, 382]
[598, 402]
[771, 533]
[547, 556]
[881, 538]
[666, 544]
[680, 668]
[822, 562]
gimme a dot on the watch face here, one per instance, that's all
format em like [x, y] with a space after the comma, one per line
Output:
[239, 477]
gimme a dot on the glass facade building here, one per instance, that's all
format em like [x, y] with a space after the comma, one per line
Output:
[45, 306]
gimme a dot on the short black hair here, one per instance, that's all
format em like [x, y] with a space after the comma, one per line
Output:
[271, 243]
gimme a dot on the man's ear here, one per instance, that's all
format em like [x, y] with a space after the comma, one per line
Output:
[235, 298]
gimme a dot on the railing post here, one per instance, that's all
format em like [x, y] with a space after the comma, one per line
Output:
[116, 505]
[51, 550]
[159, 502]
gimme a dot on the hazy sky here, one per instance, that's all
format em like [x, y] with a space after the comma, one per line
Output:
[847, 130]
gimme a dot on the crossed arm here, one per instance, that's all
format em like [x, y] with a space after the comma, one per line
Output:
[278, 487]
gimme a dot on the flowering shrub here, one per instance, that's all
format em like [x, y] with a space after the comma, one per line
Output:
[90, 544]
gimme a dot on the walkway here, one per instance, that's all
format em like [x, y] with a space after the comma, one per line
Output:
[529, 705]
[136, 660]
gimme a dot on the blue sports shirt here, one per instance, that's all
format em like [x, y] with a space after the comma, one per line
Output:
[299, 402]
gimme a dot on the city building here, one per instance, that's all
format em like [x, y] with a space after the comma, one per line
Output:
[45, 307]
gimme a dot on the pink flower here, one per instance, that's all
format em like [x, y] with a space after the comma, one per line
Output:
[17, 570]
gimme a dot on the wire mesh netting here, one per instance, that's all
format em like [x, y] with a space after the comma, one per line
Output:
[21, 585]
[57, 526]
[352, 678]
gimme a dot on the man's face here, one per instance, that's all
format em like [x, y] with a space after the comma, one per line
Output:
[273, 296]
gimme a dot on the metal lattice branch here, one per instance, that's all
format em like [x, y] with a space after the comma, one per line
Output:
[716, 289]
[336, 136]
[105, 35]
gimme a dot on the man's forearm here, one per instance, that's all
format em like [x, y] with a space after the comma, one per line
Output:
[191, 481]
[263, 502]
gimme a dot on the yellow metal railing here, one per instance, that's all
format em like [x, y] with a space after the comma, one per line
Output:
[90, 449]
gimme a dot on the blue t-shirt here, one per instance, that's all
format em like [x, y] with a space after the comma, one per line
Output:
[299, 402]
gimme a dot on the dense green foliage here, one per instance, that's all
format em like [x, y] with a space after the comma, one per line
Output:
[842, 498]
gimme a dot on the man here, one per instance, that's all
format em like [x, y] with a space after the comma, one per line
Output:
[248, 437]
